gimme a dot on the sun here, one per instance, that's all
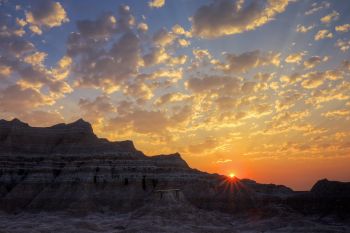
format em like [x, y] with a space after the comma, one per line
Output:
[231, 175]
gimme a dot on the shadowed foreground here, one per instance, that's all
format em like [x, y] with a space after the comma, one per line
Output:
[170, 212]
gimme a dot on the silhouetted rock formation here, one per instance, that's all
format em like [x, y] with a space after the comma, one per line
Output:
[76, 138]
[326, 188]
[326, 198]
[67, 167]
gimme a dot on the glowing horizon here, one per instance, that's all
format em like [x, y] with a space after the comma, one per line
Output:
[260, 89]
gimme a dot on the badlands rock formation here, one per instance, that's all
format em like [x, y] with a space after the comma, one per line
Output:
[66, 167]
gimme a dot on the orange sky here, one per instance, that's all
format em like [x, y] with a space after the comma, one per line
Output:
[297, 174]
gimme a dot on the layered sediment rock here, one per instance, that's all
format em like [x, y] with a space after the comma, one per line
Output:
[17, 137]
[67, 167]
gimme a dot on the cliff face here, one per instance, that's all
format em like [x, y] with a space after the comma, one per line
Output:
[326, 188]
[67, 167]
[17, 137]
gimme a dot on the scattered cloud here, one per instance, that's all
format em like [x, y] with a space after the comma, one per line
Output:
[304, 29]
[317, 6]
[343, 45]
[315, 79]
[163, 37]
[18, 100]
[45, 14]
[340, 113]
[207, 145]
[142, 27]
[224, 161]
[322, 34]
[343, 28]
[213, 83]
[246, 61]
[291, 79]
[225, 17]
[313, 61]
[95, 110]
[295, 57]
[156, 3]
[330, 17]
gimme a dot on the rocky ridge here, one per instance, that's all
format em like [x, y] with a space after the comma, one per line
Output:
[67, 167]
[17, 137]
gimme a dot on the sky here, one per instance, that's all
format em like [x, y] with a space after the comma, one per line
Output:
[258, 88]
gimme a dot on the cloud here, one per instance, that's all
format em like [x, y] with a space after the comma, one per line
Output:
[47, 14]
[29, 83]
[200, 54]
[330, 17]
[100, 105]
[287, 117]
[340, 113]
[246, 61]
[96, 109]
[146, 87]
[140, 90]
[101, 28]
[160, 55]
[156, 56]
[156, 3]
[219, 84]
[92, 35]
[304, 29]
[317, 6]
[313, 61]
[142, 121]
[295, 57]
[224, 161]
[226, 17]
[9, 28]
[179, 60]
[183, 42]
[41, 118]
[146, 124]
[25, 64]
[109, 67]
[142, 27]
[338, 92]
[179, 30]
[148, 121]
[207, 145]
[343, 28]
[171, 98]
[32, 73]
[286, 121]
[163, 38]
[36, 58]
[18, 100]
[322, 34]
[343, 45]
[291, 79]
[315, 79]
[5, 71]
[287, 100]
[14, 46]
[264, 77]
